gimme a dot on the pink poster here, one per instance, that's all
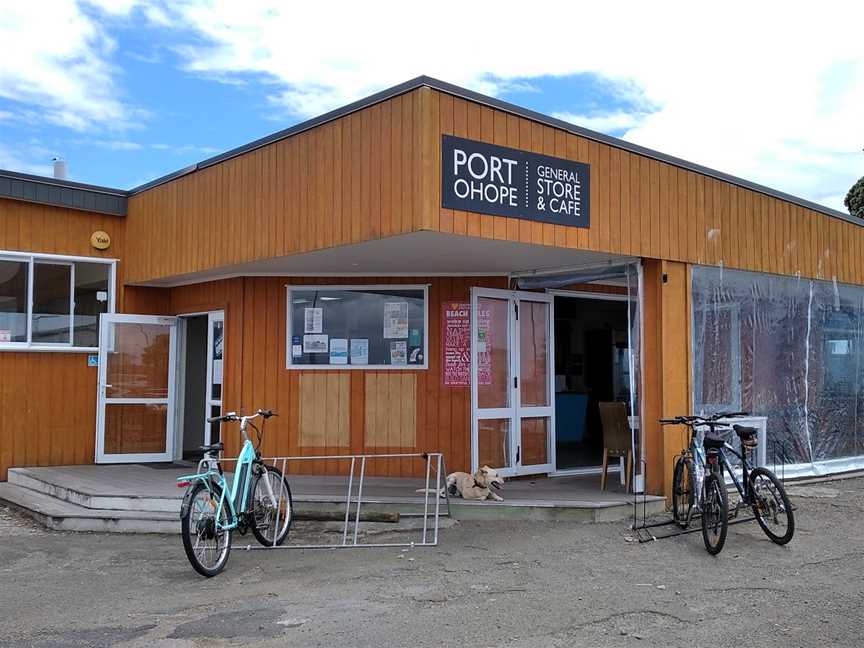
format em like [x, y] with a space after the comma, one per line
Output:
[456, 343]
[484, 348]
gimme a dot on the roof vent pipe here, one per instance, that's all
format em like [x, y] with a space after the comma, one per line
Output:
[61, 168]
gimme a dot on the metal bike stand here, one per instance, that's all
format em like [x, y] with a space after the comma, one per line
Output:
[431, 515]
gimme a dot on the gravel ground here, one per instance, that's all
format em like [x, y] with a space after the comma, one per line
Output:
[487, 584]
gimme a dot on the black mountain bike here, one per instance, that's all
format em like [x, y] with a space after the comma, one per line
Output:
[758, 488]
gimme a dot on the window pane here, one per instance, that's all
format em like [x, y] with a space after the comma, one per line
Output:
[357, 327]
[216, 351]
[51, 303]
[13, 301]
[91, 299]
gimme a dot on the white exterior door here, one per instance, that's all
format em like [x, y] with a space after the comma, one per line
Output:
[512, 358]
[135, 393]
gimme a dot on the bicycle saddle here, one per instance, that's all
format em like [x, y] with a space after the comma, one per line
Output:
[749, 435]
[216, 447]
[711, 442]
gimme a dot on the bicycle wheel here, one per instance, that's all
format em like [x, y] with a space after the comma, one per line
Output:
[270, 524]
[682, 492]
[771, 506]
[715, 514]
[207, 547]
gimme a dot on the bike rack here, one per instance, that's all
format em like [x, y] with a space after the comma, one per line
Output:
[428, 536]
[643, 531]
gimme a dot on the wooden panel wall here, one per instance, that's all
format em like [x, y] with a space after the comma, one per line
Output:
[255, 374]
[48, 400]
[325, 410]
[666, 366]
[646, 208]
[391, 411]
[48, 405]
[353, 179]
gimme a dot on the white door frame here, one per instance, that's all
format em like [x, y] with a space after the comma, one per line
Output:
[515, 412]
[179, 411]
[106, 340]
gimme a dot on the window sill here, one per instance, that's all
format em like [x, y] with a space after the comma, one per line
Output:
[349, 367]
[34, 348]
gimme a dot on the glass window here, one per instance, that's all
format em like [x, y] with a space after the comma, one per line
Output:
[787, 348]
[66, 297]
[13, 300]
[357, 327]
[91, 298]
[52, 303]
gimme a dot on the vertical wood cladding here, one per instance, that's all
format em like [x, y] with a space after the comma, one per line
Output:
[644, 207]
[376, 173]
[256, 376]
[350, 180]
[48, 400]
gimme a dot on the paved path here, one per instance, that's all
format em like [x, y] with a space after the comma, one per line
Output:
[489, 584]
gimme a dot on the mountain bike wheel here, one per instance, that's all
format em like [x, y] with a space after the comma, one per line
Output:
[270, 525]
[771, 506]
[682, 492]
[715, 514]
[207, 547]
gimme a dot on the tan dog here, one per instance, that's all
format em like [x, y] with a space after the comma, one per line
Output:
[473, 487]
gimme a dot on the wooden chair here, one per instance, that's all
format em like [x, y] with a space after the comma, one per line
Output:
[617, 440]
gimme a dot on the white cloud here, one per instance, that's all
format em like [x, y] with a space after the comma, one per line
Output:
[110, 145]
[184, 149]
[57, 63]
[608, 123]
[24, 161]
[772, 92]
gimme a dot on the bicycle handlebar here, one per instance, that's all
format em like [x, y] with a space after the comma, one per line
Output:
[233, 416]
[697, 420]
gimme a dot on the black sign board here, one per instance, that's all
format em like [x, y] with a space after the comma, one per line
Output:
[489, 179]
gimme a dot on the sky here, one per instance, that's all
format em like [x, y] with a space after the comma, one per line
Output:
[129, 90]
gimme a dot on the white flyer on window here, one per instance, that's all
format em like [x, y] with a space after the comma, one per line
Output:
[338, 351]
[395, 320]
[217, 372]
[5, 335]
[399, 353]
[359, 351]
[313, 320]
[315, 344]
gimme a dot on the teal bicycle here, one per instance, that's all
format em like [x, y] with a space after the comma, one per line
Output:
[259, 499]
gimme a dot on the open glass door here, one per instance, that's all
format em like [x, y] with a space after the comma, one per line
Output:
[511, 381]
[135, 394]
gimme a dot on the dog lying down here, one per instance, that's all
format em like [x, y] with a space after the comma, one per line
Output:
[472, 487]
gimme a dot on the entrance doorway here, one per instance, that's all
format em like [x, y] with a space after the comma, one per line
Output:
[135, 394]
[511, 381]
[592, 365]
[199, 379]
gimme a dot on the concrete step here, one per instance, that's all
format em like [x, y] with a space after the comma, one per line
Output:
[82, 493]
[62, 515]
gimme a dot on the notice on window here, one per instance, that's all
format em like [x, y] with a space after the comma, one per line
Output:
[484, 348]
[313, 320]
[5, 335]
[315, 344]
[296, 347]
[217, 372]
[338, 351]
[456, 343]
[399, 352]
[359, 351]
[395, 320]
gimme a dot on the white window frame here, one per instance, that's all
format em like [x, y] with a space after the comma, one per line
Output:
[31, 259]
[370, 367]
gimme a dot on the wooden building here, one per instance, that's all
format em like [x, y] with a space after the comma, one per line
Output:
[427, 269]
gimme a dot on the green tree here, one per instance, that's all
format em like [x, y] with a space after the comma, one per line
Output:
[855, 199]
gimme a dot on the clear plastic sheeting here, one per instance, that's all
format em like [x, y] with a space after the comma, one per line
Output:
[787, 348]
